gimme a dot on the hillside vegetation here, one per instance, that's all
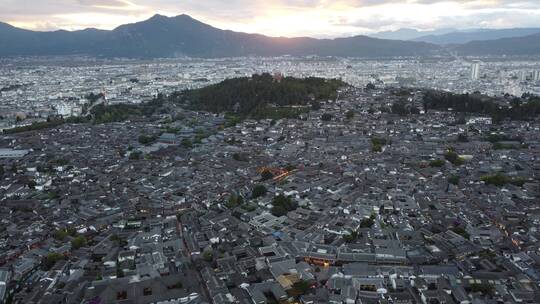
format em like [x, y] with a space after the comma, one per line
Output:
[260, 95]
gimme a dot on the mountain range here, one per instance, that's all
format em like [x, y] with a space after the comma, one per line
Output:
[162, 36]
[462, 37]
[409, 34]
[453, 36]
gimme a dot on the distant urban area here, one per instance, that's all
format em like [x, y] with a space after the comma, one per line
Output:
[270, 180]
[35, 89]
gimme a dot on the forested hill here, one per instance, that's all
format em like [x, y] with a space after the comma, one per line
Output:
[248, 96]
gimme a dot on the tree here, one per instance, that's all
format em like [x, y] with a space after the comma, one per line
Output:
[378, 143]
[326, 117]
[500, 180]
[437, 163]
[349, 114]
[61, 234]
[135, 155]
[1, 171]
[208, 255]
[258, 191]
[481, 104]
[78, 242]
[461, 231]
[400, 108]
[453, 157]
[234, 201]
[146, 139]
[282, 204]
[367, 222]
[120, 112]
[251, 95]
[370, 86]
[454, 180]
[51, 259]
[243, 157]
[186, 143]
[351, 237]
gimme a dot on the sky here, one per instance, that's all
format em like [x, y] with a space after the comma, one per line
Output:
[290, 18]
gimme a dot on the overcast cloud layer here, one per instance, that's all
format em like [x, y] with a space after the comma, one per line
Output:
[319, 18]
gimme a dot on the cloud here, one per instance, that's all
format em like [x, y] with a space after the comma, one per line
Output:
[279, 17]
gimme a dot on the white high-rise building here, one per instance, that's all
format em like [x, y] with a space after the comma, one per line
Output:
[475, 71]
[522, 76]
[536, 75]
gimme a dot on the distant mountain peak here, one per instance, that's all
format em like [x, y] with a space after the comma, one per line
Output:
[163, 17]
[158, 17]
[184, 16]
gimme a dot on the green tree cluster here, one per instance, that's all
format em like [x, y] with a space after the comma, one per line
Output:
[186, 143]
[50, 260]
[135, 155]
[147, 139]
[453, 157]
[351, 237]
[403, 109]
[259, 191]
[377, 143]
[234, 201]
[500, 180]
[282, 204]
[78, 242]
[326, 117]
[437, 163]
[498, 108]
[454, 180]
[53, 123]
[121, 112]
[61, 234]
[461, 231]
[247, 94]
[368, 222]
[243, 157]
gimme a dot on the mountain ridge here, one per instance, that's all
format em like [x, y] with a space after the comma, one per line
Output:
[180, 36]
[462, 37]
[409, 33]
[526, 45]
